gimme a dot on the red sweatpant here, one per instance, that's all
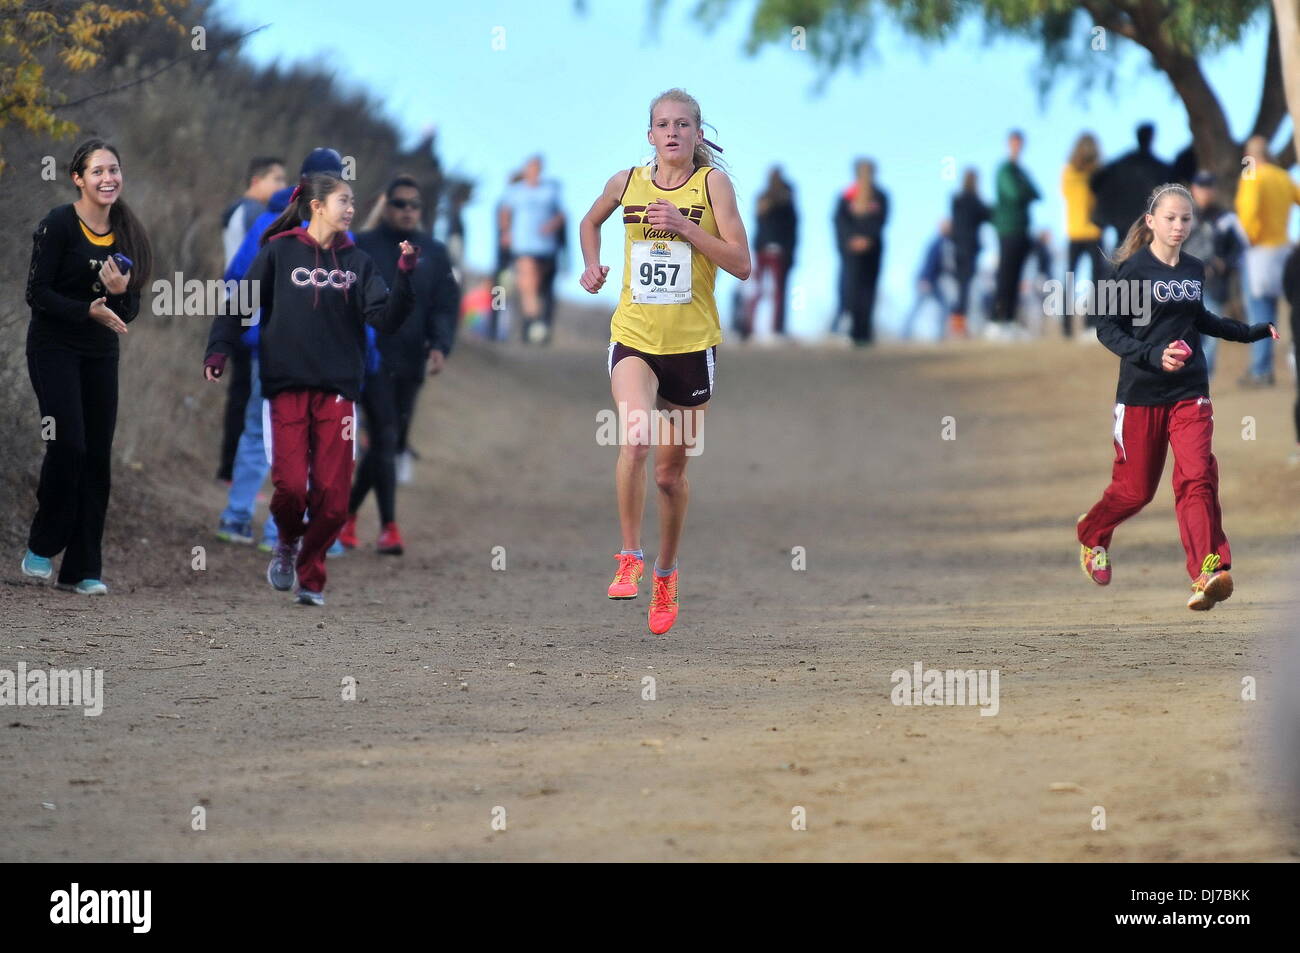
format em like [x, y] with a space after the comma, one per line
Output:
[312, 443]
[1142, 435]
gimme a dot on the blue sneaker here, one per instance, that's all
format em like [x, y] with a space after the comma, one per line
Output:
[267, 544]
[229, 531]
[308, 598]
[87, 587]
[336, 549]
[37, 566]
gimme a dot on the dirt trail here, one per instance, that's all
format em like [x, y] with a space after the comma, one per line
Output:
[523, 688]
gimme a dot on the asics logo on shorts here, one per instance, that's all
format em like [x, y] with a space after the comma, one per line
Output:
[320, 278]
[1186, 290]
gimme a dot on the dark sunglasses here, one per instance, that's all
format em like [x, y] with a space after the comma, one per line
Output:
[405, 203]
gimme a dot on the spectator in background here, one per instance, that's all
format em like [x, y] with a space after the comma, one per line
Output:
[860, 218]
[1122, 186]
[1082, 233]
[497, 325]
[250, 466]
[454, 226]
[1015, 193]
[968, 213]
[1291, 287]
[532, 223]
[1034, 291]
[82, 297]
[252, 456]
[265, 177]
[423, 341]
[1264, 199]
[1184, 166]
[774, 244]
[1217, 240]
[938, 269]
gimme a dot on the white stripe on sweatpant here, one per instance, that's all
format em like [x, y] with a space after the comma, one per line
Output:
[1119, 432]
[266, 430]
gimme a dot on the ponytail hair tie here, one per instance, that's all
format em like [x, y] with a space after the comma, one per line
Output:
[293, 196]
[714, 145]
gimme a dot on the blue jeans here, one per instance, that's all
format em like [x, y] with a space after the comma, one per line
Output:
[251, 467]
[922, 298]
[1262, 310]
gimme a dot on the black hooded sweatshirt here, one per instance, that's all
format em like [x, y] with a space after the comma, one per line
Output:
[315, 305]
[437, 300]
[1164, 305]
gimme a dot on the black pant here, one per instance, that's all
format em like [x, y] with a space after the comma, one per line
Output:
[1014, 250]
[78, 400]
[1075, 251]
[239, 382]
[546, 269]
[860, 276]
[378, 467]
[546, 287]
[964, 261]
[406, 390]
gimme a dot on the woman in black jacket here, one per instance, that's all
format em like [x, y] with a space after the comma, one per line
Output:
[968, 213]
[89, 261]
[860, 220]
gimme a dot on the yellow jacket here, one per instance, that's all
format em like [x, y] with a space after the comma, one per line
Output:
[1264, 205]
[1079, 202]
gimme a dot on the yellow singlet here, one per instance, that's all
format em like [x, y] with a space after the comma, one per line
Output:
[667, 305]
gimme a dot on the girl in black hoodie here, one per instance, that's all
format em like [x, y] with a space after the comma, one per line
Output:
[1163, 399]
[317, 292]
[82, 298]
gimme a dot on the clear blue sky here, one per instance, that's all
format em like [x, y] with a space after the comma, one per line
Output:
[576, 87]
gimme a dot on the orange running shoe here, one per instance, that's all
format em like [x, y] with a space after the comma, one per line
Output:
[1211, 586]
[348, 535]
[631, 567]
[663, 604]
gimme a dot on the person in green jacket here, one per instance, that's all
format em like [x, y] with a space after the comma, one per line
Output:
[1015, 193]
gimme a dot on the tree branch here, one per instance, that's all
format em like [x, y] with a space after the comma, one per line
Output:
[1272, 99]
[1113, 24]
[166, 66]
[1286, 158]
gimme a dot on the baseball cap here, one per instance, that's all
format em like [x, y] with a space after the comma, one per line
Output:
[323, 160]
[1204, 178]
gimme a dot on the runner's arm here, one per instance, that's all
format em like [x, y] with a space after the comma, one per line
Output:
[730, 252]
[589, 228]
